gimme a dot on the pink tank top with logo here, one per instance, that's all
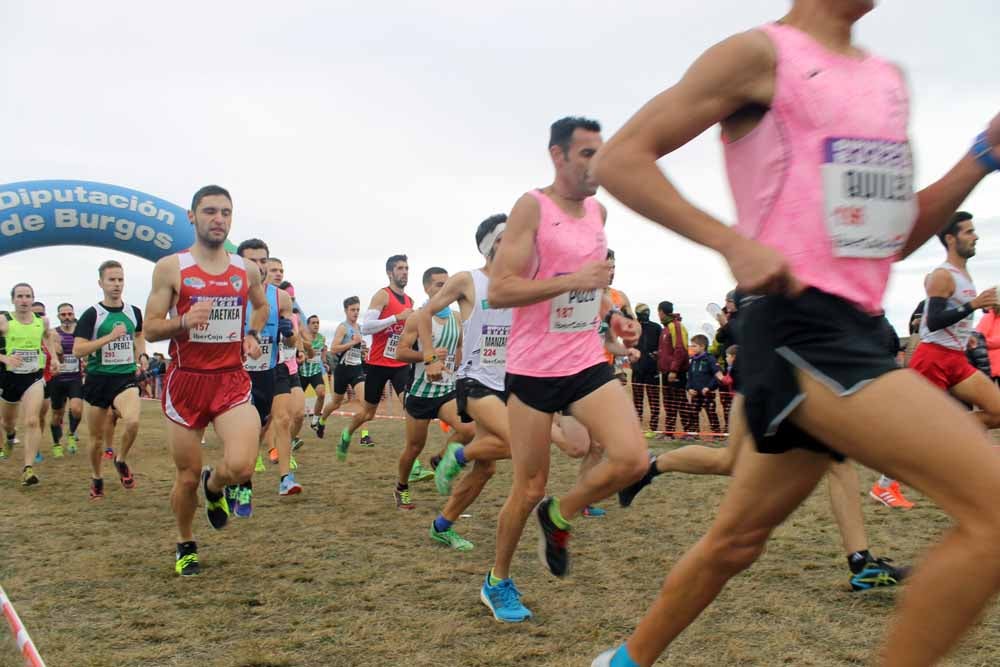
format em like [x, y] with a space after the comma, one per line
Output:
[558, 337]
[826, 177]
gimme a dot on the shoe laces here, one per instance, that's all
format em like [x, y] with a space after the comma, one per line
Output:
[508, 594]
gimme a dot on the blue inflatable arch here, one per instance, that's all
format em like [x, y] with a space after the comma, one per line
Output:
[36, 214]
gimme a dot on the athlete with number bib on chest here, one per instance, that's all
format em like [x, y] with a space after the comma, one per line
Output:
[67, 386]
[383, 321]
[205, 290]
[819, 162]
[349, 348]
[551, 269]
[110, 336]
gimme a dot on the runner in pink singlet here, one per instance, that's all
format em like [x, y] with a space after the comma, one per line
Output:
[552, 269]
[820, 167]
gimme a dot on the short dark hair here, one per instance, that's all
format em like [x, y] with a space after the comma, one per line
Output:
[561, 133]
[208, 191]
[952, 228]
[311, 318]
[488, 225]
[252, 244]
[108, 264]
[666, 307]
[433, 271]
[611, 254]
[700, 339]
[351, 301]
[390, 263]
[14, 289]
[62, 305]
[38, 304]
[732, 350]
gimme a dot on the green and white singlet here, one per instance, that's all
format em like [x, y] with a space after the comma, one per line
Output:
[446, 336]
[314, 366]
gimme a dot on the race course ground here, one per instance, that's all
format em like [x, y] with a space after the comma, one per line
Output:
[337, 576]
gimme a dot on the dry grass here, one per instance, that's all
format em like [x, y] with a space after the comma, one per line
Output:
[337, 576]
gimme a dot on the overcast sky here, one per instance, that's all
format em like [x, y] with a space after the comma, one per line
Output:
[350, 131]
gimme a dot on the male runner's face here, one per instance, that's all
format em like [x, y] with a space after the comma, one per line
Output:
[437, 281]
[23, 298]
[212, 220]
[314, 326]
[66, 316]
[611, 272]
[353, 311]
[38, 310]
[965, 241]
[400, 274]
[574, 164]
[113, 283]
[275, 272]
[259, 257]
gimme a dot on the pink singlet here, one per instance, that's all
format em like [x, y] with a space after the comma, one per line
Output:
[826, 177]
[558, 337]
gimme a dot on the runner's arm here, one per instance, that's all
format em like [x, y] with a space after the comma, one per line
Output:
[370, 324]
[285, 311]
[508, 285]
[405, 349]
[458, 288]
[257, 298]
[730, 76]
[940, 286]
[338, 348]
[166, 285]
[82, 343]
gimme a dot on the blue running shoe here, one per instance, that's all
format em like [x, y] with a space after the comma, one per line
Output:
[230, 493]
[504, 601]
[593, 511]
[288, 486]
[243, 506]
[878, 573]
[614, 657]
[39, 458]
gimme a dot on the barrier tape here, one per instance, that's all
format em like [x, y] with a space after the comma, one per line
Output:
[24, 643]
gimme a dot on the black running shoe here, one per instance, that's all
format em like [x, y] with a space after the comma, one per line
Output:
[320, 429]
[215, 503]
[553, 542]
[186, 563]
[628, 494]
[878, 573]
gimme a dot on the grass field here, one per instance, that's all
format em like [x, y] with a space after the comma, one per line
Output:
[337, 576]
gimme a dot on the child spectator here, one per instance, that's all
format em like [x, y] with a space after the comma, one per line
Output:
[728, 382]
[704, 377]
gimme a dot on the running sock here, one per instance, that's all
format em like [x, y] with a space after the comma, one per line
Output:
[460, 456]
[402, 487]
[621, 658]
[556, 516]
[364, 433]
[856, 561]
[884, 481]
[74, 421]
[441, 524]
[494, 580]
[56, 433]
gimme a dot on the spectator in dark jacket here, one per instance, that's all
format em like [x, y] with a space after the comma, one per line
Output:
[703, 379]
[645, 375]
[672, 360]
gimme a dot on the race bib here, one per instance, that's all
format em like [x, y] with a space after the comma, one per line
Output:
[868, 197]
[118, 352]
[286, 353]
[353, 357]
[575, 311]
[29, 362]
[263, 362]
[70, 364]
[493, 346]
[391, 344]
[225, 324]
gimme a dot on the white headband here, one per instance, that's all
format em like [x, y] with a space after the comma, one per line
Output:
[486, 245]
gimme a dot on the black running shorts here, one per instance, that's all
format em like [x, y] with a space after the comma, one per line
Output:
[467, 388]
[557, 394]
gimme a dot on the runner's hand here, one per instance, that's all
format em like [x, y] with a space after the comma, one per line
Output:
[251, 347]
[54, 365]
[118, 331]
[13, 362]
[401, 316]
[198, 315]
[593, 275]
[986, 299]
[435, 370]
[633, 355]
[759, 269]
[626, 329]
[357, 339]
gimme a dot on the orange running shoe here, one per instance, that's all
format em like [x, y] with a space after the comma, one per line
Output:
[272, 455]
[890, 496]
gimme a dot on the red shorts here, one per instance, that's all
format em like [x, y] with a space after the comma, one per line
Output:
[941, 365]
[193, 398]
